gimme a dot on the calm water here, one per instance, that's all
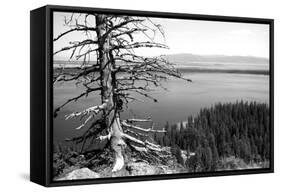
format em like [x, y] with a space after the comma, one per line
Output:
[174, 105]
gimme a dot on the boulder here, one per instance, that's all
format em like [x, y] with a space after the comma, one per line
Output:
[141, 168]
[83, 173]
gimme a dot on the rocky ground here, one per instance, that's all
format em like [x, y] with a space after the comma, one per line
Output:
[100, 165]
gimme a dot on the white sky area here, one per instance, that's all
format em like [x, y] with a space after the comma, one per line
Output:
[191, 36]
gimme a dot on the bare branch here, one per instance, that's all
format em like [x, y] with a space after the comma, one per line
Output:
[137, 134]
[76, 45]
[75, 99]
[149, 130]
[139, 120]
[140, 45]
[122, 24]
[74, 76]
[129, 33]
[94, 109]
[85, 122]
[104, 137]
[74, 29]
[145, 143]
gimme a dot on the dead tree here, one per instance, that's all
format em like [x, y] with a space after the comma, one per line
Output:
[117, 73]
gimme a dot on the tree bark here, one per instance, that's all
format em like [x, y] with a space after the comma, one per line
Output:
[110, 113]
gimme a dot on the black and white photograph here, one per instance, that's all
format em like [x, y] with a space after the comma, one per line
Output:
[141, 96]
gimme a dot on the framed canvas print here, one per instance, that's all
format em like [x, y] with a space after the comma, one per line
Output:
[122, 95]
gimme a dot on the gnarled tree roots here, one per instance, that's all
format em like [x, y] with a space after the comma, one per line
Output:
[120, 138]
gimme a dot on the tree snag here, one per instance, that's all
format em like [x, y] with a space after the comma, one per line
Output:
[116, 73]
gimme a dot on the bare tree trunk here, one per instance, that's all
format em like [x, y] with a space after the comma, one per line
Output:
[110, 114]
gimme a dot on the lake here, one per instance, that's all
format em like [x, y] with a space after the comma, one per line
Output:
[174, 105]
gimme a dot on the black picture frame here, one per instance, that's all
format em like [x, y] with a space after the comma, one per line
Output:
[41, 92]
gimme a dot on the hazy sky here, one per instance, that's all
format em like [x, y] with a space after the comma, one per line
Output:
[196, 37]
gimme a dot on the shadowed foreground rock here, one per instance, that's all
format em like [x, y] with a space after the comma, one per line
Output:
[83, 173]
[141, 169]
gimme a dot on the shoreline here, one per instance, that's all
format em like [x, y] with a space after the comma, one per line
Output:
[188, 70]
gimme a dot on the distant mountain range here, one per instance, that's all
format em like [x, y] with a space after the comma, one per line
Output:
[186, 58]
